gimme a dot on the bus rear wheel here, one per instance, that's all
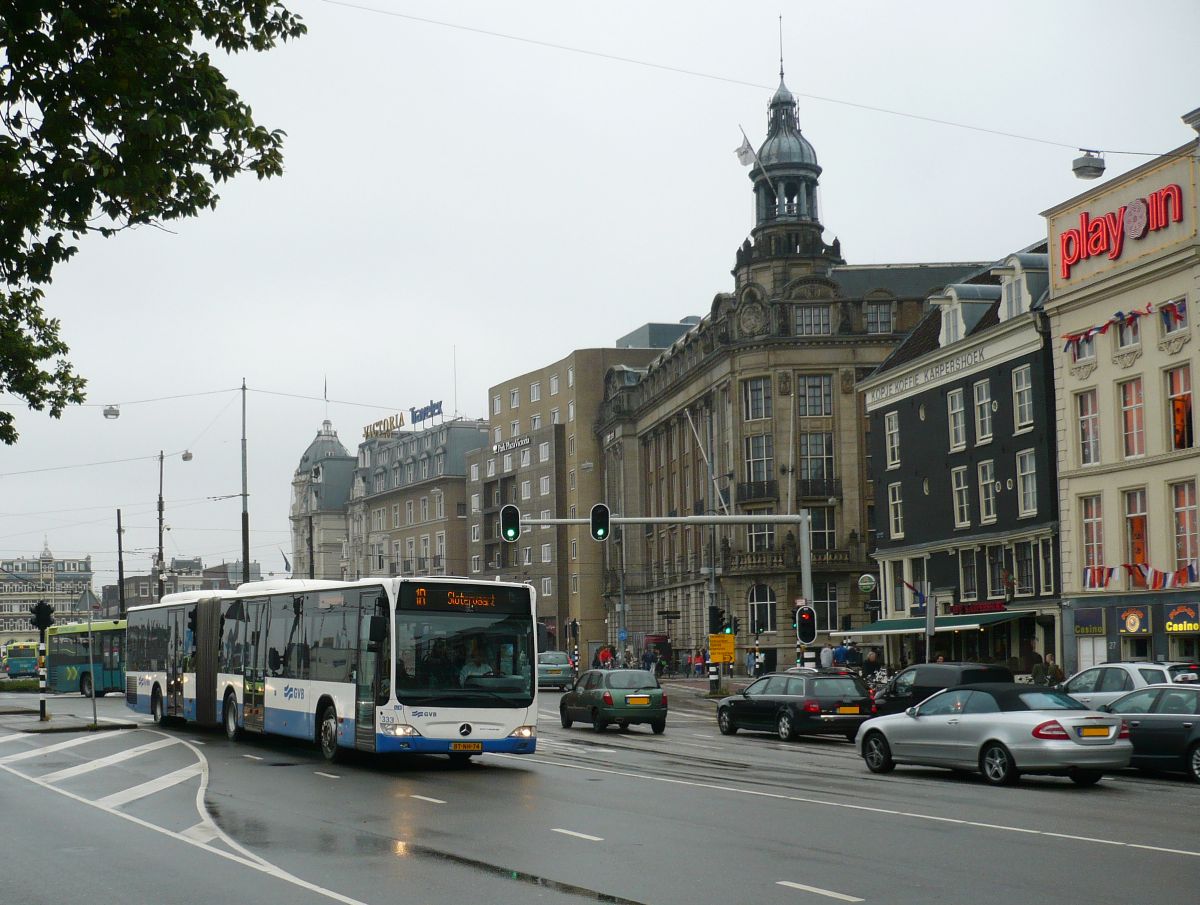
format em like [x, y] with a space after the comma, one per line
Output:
[229, 718]
[85, 685]
[327, 735]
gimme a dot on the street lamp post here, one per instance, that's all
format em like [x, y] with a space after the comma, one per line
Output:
[187, 457]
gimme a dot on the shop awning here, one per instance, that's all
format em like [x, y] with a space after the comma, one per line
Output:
[915, 626]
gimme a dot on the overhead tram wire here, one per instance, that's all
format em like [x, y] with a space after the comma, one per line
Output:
[695, 73]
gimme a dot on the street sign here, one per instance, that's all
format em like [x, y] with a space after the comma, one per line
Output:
[622, 635]
[721, 648]
[866, 583]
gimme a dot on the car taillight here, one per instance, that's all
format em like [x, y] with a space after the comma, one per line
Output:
[812, 707]
[871, 692]
[664, 699]
[608, 698]
[1124, 733]
[1050, 729]
[874, 709]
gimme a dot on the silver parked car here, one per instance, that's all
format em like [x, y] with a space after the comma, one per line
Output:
[1001, 729]
[1104, 683]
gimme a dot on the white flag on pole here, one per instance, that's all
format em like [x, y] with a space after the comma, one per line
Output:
[745, 152]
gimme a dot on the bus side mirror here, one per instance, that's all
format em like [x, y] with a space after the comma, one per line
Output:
[379, 631]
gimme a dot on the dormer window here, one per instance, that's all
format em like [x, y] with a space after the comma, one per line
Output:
[952, 325]
[1014, 298]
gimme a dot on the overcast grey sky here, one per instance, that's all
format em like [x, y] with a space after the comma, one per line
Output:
[456, 195]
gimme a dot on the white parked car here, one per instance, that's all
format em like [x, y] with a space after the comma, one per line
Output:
[1105, 682]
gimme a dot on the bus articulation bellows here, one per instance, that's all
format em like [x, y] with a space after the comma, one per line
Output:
[431, 665]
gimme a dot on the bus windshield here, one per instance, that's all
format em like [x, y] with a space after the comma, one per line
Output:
[479, 659]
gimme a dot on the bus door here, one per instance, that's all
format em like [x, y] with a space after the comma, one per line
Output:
[254, 667]
[176, 651]
[372, 660]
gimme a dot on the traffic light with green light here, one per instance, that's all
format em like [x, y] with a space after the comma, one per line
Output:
[599, 521]
[510, 523]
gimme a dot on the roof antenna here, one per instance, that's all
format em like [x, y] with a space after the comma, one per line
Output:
[781, 48]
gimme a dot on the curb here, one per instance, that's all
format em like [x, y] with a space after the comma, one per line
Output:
[49, 728]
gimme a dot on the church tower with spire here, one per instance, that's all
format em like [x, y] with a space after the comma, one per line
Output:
[786, 241]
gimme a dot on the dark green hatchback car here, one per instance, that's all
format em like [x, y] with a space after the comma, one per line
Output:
[621, 696]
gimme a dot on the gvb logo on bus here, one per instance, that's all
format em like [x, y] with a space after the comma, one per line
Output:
[292, 693]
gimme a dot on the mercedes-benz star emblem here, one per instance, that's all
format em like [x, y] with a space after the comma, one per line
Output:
[464, 729]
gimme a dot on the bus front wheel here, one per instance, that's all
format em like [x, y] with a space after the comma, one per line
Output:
[328, 735]
[85, 685]
[156, 707]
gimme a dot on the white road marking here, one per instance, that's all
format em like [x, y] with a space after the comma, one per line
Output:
[252, 756]
[326, 775]
[173, 778]
[821, 892]
[13, 737]
[577, 835]
[427, 798]
[103, 762]
[197, 741]
[202, 832]
[70, 743]
[867, 809]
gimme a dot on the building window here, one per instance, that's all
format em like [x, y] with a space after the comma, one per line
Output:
[1128, 333]
[822, 529]
[571, 410]
[760, 457]
[544, 485]
[545, 515]
[1088, 414]
[895, 511]
[574, 549]
[554, 416]
[544, 451]
[1022, 381]
[514, 398]
[535, 422]
[983, 411]
[395, 515]
[571, 479]
[762, 609]
[1136, 550]
[1023, 568]
[424, 509]
[1046, 548]
[574, 582]
[497, 435]
[899, 603]
[962, 497]
[1013, 299]
[1093, 531]
[813, 320]
[756, 398]
[475, 533]
[1179, 407]
[1174, 316]
[526, 489]
[1027, 482]
[760, 538]
[957, 418]
[547, 586]
[815, 392]
[508, 460]
[879, 317]
[996, 573]
[571, 376]
[514, 428]
[474, 471]
[968, 581]
[891, 430]
[825, 602]
[816, 456]
[987, 492]
[495, 405]
[527, 556]
[1083, 349]
[409, 508]
[1133, 429]
[525, 458]
[477, 563]
[553, 384]
[491, 468]
[546, 553]
[535, 392]
[1187, 533]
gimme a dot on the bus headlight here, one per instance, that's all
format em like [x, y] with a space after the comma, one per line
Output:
[524, 732]
[399, 730]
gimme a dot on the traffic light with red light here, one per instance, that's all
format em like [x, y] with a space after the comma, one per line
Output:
[806, 624]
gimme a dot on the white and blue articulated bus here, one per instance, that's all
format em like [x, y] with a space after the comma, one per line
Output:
[421, 665]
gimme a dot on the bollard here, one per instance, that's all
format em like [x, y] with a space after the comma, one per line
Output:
[714, 679]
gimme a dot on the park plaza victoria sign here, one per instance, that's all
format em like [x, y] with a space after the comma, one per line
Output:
[1105, 234]
[386, 426]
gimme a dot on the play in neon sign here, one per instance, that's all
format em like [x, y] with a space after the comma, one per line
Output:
[1106, 234]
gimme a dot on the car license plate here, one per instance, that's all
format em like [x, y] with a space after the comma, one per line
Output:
[1093, 731]
[847, 710]
[466, 746]
[637, 699]
[554, 672]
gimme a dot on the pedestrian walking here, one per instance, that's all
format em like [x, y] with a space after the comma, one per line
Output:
[827, 655]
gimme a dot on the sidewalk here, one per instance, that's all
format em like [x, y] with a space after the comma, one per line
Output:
[699, 686]
[20, 717]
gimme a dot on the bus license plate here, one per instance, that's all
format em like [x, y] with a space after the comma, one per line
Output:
[1093, 731]
[637, 699]
[466, 746]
